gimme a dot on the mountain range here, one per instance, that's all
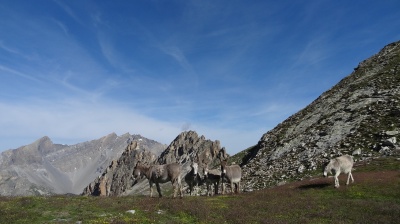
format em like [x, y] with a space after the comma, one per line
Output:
[43, 168]
[359, 116]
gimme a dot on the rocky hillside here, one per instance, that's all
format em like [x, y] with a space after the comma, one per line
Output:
[360, 115]
[44, 168]
[117, 179]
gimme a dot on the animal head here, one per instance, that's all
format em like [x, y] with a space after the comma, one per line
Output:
[223, 166]
[194, 167]
[138, 171]
[328, 169]
[205, 172]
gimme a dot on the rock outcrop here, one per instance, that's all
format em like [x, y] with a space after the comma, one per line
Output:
[188, 146]
[360, 115]
[117, 180]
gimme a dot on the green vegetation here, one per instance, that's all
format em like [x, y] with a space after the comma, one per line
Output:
[373, 198]
[239, 157]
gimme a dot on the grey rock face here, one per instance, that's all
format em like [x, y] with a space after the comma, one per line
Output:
[117, 178]
[45, 168]
[361, 112]
[188, 146]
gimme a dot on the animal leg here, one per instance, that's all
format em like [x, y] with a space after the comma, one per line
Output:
[175, 187]
[179, 185]
[158, 190]
[232, 188]
[190, 189]
[348, 178]
[337, 179]
[196, 189]
[180, 189]
[151, 189]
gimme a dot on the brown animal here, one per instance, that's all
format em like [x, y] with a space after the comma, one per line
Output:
[233, 175]
[157, 174]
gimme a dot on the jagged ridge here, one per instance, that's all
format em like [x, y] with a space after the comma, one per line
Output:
[186, 147]
[43, 167]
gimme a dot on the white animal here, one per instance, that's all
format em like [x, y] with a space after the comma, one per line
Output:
[341, 164]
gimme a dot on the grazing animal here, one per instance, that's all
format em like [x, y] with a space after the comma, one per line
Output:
[342, 164]
[193, 178]
[233, 175]
[157, 174]
[212, 177]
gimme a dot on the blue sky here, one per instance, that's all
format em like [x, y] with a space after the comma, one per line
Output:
[230, 70]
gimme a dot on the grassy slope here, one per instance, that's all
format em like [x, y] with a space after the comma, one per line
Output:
[373, 198]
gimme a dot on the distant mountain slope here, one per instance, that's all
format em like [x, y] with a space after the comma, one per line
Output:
[46, 168]
[361, 112]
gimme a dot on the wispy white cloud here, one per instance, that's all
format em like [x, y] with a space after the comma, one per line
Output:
[8, 49]
[228, 70]
[76, 120]
[72, 121]
[113, 55]
[178, 55]
[108, 50]
[314, 52]
[62, 26]
[69, 11]
[20, 74]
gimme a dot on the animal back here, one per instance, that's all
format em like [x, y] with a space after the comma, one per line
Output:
[234, 173]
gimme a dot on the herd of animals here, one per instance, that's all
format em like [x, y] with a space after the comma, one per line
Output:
[157, 174]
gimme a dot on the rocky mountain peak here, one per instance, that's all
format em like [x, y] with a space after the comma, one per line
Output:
[117, 178]
[186, 147]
